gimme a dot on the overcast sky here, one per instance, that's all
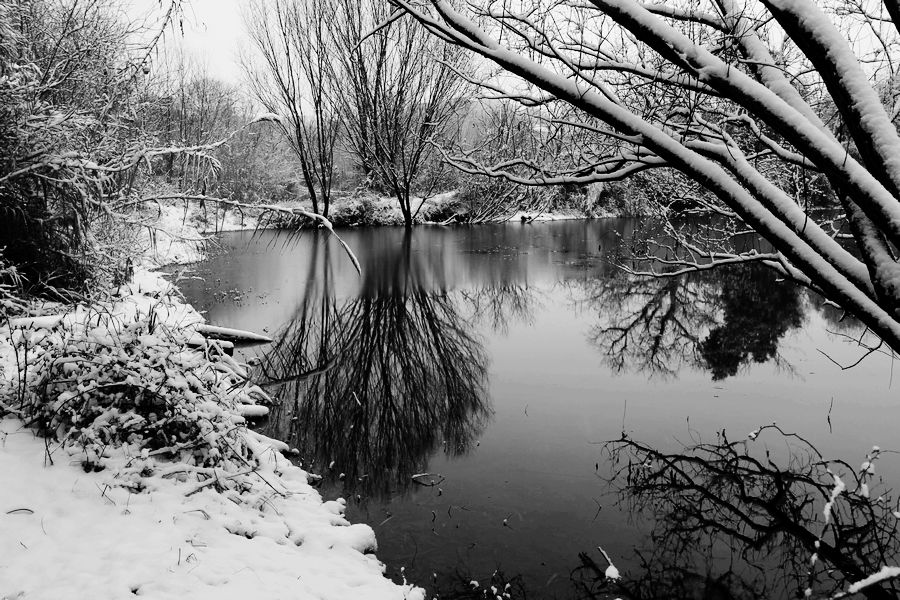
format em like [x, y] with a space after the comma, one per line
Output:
[213, 33]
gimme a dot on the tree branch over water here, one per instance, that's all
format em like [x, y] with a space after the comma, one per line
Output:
[708, 90]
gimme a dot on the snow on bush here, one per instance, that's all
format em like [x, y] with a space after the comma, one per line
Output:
[109, 378]
[158, 425]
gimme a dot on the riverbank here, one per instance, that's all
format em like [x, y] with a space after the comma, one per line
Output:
[146, 479]
[351, 210]
[179, 234]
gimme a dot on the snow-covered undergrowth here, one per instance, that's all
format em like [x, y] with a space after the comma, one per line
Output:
[177, 232]
[128, 468]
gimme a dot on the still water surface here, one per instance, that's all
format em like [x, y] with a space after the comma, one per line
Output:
[498, 358]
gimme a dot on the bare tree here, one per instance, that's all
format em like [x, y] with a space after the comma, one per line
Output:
[291, 38]
[399, 92]
[504, 131]
[735, 95]
[69, 144]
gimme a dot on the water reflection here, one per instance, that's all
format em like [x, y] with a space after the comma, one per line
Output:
[757, 312]
[500, 305]
[377, 372]
[718, 320]
[371, 387]
[650, 325]
[746, 519]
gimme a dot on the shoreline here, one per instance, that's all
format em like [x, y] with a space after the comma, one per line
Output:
[217, 511]
[179, 235]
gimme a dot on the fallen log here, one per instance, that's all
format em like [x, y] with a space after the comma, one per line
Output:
[239, 336]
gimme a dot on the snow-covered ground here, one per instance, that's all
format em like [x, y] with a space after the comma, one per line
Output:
[71, 534]
[179, 236]
[178, 500]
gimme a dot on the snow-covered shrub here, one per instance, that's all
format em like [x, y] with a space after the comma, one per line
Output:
[95, 383]
[77, 143]
[10, 292]
[61, 93]
[355, 210]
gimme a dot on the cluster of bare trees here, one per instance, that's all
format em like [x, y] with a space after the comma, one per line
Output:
[764, 104]
[186, 106]
[351, 72]
[70, 144]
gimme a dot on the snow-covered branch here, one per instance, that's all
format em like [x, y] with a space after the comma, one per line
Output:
[705, 88]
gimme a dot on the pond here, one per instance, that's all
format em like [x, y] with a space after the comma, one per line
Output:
[458, 392]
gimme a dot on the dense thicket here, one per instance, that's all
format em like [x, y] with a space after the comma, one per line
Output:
[96, 123]
[67, 140]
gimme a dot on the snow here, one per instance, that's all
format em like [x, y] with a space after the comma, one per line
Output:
[528, 216]
[106, 510]
[837, 490]
[171, 239]
[71, 534]
[266, 116]
[179, 235]
[884, 574]
[8, 367]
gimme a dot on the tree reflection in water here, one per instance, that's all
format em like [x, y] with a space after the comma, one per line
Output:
[373, 386]
[746, 519]
[650, 325]
[718, 320]
[498, 305]
[758, 312]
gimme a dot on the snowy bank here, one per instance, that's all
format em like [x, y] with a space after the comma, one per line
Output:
[147, 480]
[178, 235]
[177, 232]
[563, 215]
[71, 534]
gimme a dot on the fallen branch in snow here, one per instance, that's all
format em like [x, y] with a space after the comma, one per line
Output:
[262, 208]
[232, 335]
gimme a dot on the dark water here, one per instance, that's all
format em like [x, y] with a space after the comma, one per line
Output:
[498, 358]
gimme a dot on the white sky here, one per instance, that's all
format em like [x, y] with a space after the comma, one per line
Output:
[213, 33]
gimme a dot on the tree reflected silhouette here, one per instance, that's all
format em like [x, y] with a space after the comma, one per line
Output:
[718, 320]
[650, 325]
[746, 519]
[499, 305]
[758, 312]
[373, 386]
